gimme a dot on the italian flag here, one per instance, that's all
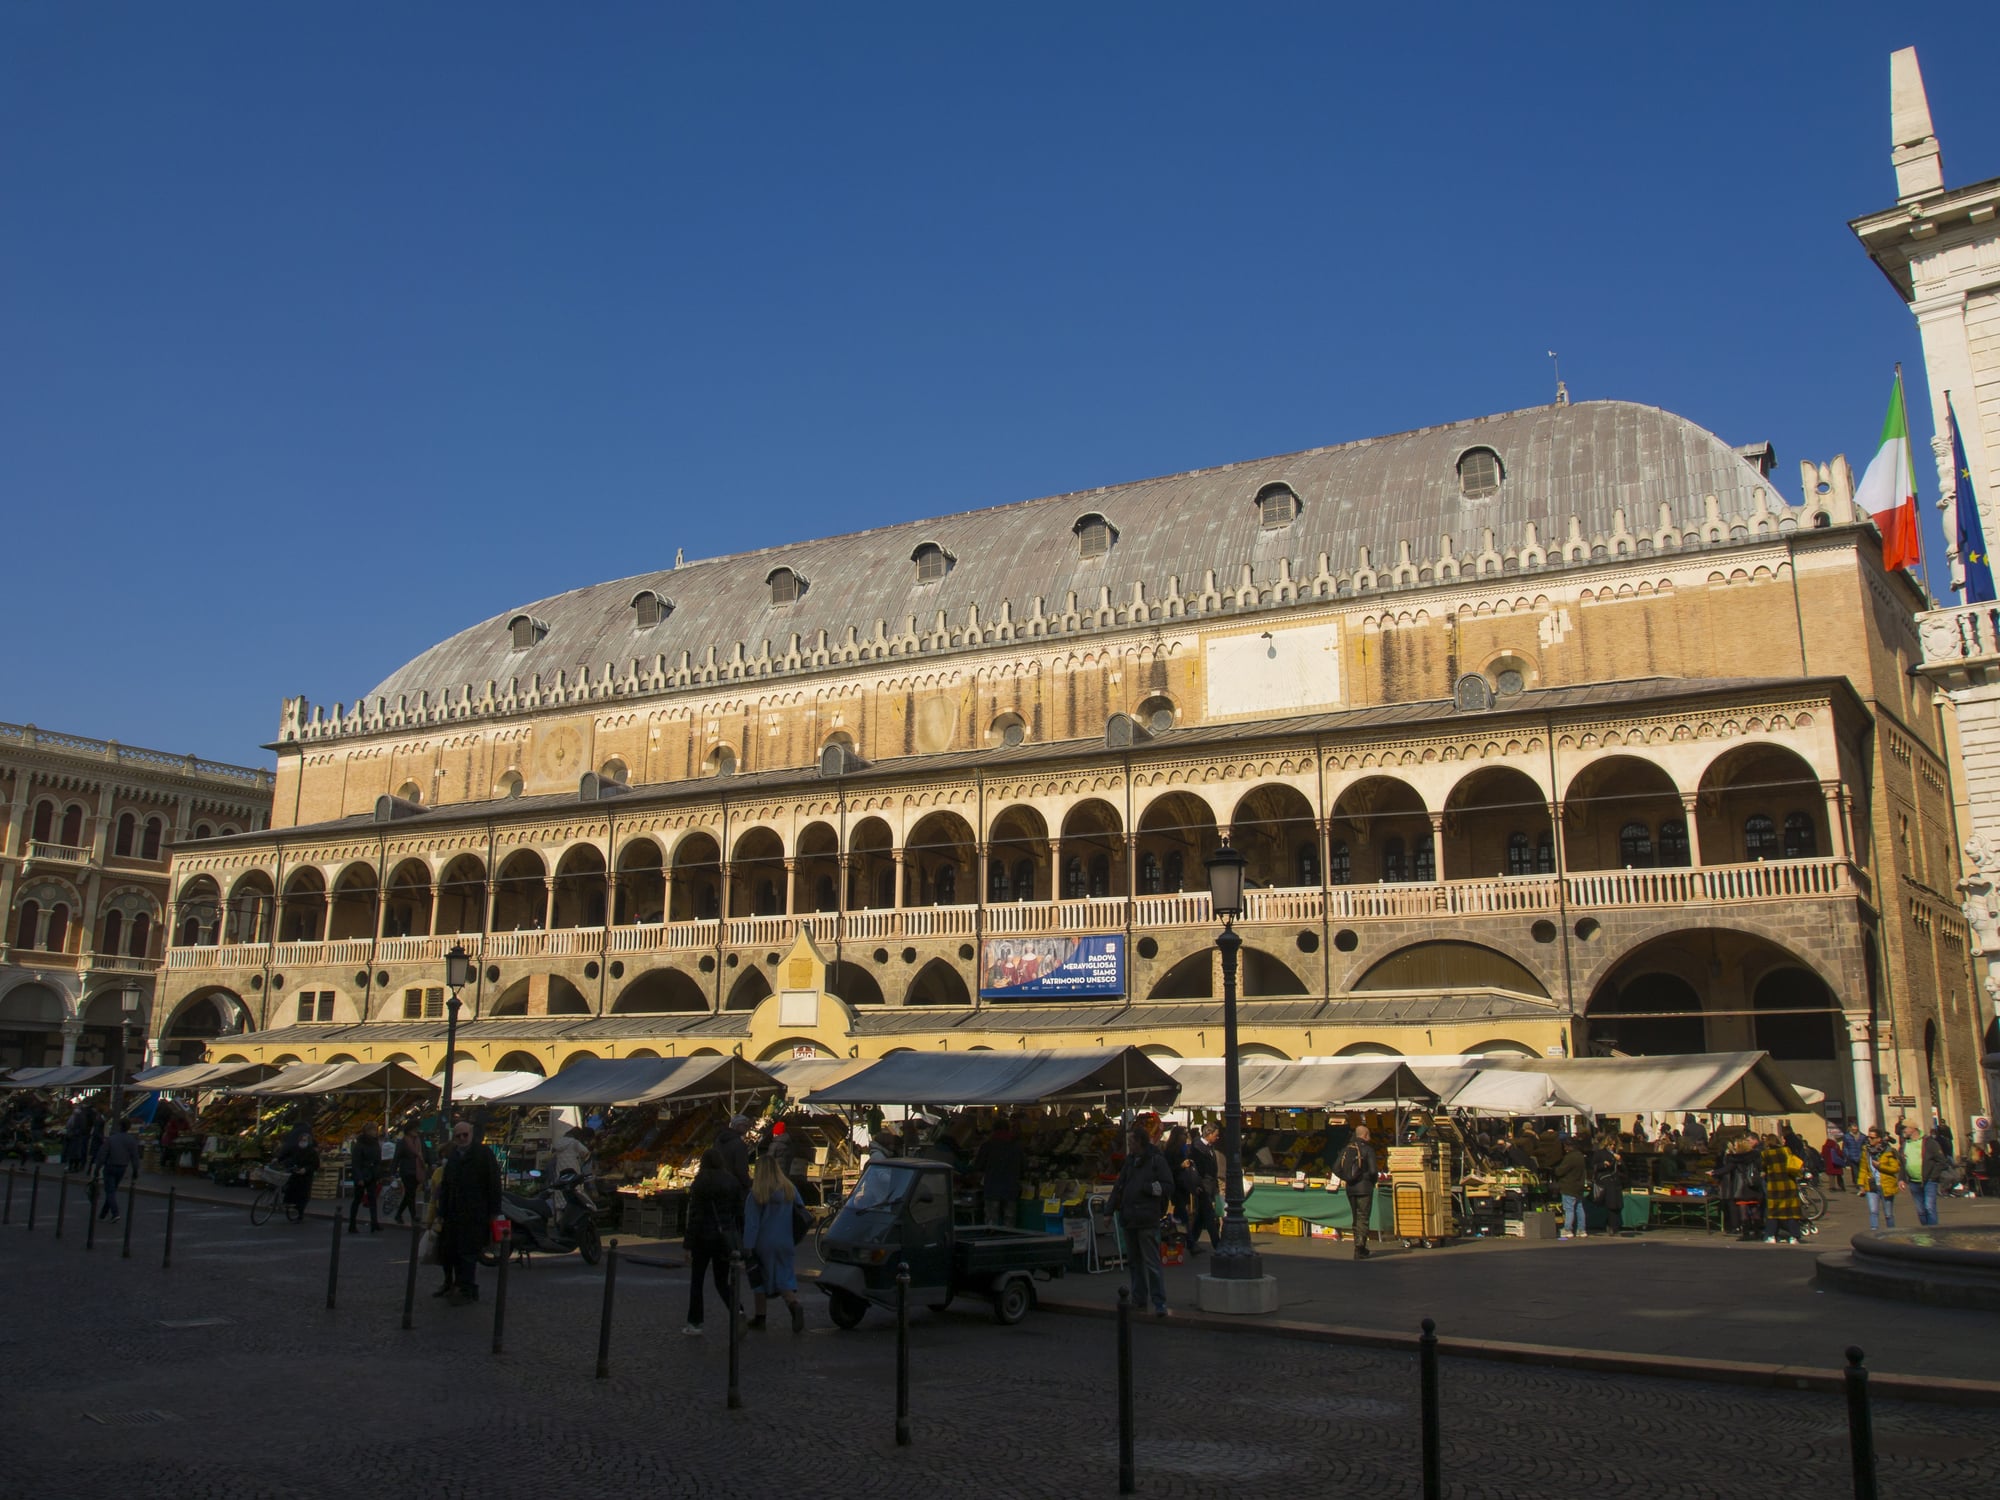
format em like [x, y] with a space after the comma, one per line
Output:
[1889, 489]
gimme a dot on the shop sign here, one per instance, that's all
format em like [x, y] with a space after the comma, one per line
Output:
[1901, 1101]
[1052, 968]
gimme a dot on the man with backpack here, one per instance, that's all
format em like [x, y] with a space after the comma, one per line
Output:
[1357, 1171]
[1145, 1186]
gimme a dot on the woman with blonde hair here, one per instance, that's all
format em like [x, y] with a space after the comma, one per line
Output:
[768, 1238]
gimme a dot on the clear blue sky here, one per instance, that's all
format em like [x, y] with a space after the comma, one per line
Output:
[327, 330]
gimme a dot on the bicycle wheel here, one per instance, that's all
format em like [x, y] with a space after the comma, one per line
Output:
[1812, 1202]
[390, 1199]
[263, 1205]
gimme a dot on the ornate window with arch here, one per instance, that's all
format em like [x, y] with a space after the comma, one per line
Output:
[128, 829]
[1277, 507]
[72, 824]
[44, 829]
[722, 761]
[1635, 846]
[1479, 473]
[1423, 859]
[1339, 863]
[1801, 838]
[786, 585]
[649, 608]
[1520, 855]
[524, 631]
[1094, 535]
[1393, 867]
[1760, 837]
[149, 843]
[1673, 843]
[932, 561]
[27, 926]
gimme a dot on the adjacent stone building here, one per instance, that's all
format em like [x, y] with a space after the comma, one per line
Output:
[87, 832]
[1553, 731]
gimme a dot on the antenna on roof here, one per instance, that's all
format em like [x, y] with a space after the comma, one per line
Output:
[678, 558]
[1562, 391]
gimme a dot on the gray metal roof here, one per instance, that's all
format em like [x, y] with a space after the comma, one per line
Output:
[1576, 464]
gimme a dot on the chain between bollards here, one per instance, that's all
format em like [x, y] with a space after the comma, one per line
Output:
[1128, 1479]
[333, 1259]
[735, 1328]
[604, 1323]
[506, 1253]
[62, 1202]
[1860, 1427]
[167, 1244]
[90, 1214]
[131, 1213]
[410, 1280]
[1427, 1368]
[34, 1195]
[902, 1355]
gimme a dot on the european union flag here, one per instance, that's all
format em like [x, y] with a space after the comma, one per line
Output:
[1971, 535]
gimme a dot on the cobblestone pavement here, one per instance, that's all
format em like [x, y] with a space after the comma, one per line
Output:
[264, 1393]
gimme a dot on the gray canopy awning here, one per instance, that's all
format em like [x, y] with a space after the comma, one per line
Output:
[803, 1077]
[1747, 1083]
[311, 1079]
[202, 1075]
[1308, 1085]
[651, 1080]
[1047, 1075]
[76, 1077]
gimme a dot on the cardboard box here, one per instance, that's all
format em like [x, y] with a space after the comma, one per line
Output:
[1544, 1224]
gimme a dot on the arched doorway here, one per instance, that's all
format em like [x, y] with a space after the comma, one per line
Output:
[1273, 826]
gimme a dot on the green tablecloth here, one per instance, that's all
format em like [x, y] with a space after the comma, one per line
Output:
[1265, 1203]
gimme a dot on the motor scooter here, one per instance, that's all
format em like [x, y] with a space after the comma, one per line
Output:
[554, 1222]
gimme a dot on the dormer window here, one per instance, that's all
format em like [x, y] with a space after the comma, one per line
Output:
[526, 630]
[1094, 535]
[932, 561]
[1277, 507]
[786, 585]
[649, 608]
[1479, 473]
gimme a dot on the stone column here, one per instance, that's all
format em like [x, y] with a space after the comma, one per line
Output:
[1437, 848]
[549, 904]
[897, 856]
[791, 880]
[72, 1030]
[1690, 810]
[437, 900]
[492, 895]
[1836, 818]
[1867, 1106]
[610, 899]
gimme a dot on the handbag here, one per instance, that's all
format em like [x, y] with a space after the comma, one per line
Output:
[427, 1249]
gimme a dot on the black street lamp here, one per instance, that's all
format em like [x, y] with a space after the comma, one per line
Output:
[1234, 1259]
[457, 975]
[128, 1021]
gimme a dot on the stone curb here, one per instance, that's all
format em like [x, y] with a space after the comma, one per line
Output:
[1936, 1390]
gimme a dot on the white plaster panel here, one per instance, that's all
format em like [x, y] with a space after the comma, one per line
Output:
[1296, 668]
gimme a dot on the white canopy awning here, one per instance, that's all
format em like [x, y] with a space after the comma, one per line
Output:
[1266, 1084]
[76, 1077]
[202, 1075]
[476, 1086]
[1688, 1083]
[651, 1080]
[312, 1079]
[802, 1075]
[1504, 1092]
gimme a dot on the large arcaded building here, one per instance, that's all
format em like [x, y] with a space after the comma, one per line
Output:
[1552, 731]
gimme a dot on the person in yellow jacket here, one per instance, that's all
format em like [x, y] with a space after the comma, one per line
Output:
[1879, 1174]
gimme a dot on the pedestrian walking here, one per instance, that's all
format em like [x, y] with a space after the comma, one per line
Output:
[1572, 1179]
[1139, 1198]
[1924, 1162]
[364, 1165]
[468, 1201]
[714, 1230]
[300, 1157]
[412, 1165]
[121, 1155]
[1833, 1157]
[1784, 1214]
[735, 1150]
[1607, 1182]
[1358, 1171]
[999, 1162]
[1879, 1175]
[1205, 1153]
[76, 1137]
[1851, 1147]
[769, 1237]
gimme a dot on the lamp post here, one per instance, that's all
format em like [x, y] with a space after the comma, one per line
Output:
[1236, 1281]
[457, 975]
[128, 1006]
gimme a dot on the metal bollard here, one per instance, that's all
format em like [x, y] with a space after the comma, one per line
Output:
[735, 1329]
[333, 1260]
[62, 1202]
[1860, 1427]
[500, 1292]
[90, 1214]
[7, 1208]
[410, 1281]
[1128, 1480]
[34, 1195]
[902, 1356]
[131, 1213]
[167, 1246]
[1427, 1368]
[604, 1324]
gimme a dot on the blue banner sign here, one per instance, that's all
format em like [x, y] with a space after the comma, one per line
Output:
[1052, 968]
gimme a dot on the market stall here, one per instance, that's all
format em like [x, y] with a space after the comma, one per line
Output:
[520, 1135]
[651, 1120]
[167, 1105]
[334, 1099]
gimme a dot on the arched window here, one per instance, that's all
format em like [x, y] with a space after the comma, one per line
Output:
[786, 585]
[128, 829]
[946, 886]
[1094, 535]
[1393, 867]
[1305, 865]
[1635, 846]
[1149, 874]
[72, 825]
[1100, 876]
[1423, 859]
[114, 933]
[202, 830]
[1024, 880]
[509, 784]
[1009, 729]
[932, 561]
[1339, 863]
[58, 938]
[998, 886]
[1520, 855]
[190, 932]
[1157, 714]
[1801, 839]
[524, 630]
[149, 846]
[1673, 844]
[649, 608]
[1760, 837]
[1479, 473]
[1075, 886]
[45, 823]
[1545, 854]
[27, 932]
[142, 937]
[1277, 507]
[722, 761]
[1173, 875]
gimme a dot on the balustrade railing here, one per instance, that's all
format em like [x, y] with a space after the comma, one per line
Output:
[62, 854]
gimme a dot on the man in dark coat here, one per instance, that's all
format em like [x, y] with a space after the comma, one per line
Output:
[735, 1150]
[1357, 1171]
[1205, 1152]
[999, 1163]
[468, 1202]
[1139, 1199]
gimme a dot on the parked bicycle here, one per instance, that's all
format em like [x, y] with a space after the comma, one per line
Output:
[271, 1195]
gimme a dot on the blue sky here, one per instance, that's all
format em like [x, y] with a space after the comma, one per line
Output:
[330, 330]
